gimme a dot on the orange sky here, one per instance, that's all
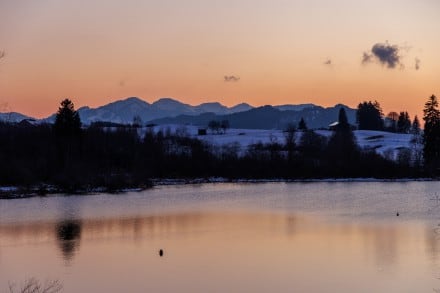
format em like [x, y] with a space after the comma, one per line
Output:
[100, 52]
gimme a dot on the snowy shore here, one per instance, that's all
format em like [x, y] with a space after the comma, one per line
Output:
[12, 192]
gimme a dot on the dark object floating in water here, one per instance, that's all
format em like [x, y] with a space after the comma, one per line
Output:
[397, 214]
[160, 252]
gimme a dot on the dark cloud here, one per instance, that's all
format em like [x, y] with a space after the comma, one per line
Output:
[386, 54]
[417, 65]
[328, 62]
[231, 78]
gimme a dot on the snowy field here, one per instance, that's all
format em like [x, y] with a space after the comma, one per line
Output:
[383, 142]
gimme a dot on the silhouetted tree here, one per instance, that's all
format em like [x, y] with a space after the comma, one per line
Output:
[290, 138]
[214, 126]
[416, 143]
[403, 123]
[342, 120]
[67, 120]
[431, 150]
[369, 116]
[391, 121]
[137, 121]
[312, 144]
[302, 124]
[67, 130]
[404, 157]
[415, 126]
[342, 147]
[224, 125]
[218, 126]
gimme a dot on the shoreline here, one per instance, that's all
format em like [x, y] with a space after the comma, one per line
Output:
[16, 192]
[162, 182]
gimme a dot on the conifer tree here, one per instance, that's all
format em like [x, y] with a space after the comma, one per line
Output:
[67, 121]
[342, 144]
[302, 124]
[369, 116]
[403, 123]
[416, 143]
[415, 126]
[431, 137]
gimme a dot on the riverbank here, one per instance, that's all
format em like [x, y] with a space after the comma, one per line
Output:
[13, 192]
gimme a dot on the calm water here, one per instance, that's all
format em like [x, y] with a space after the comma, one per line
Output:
[274, 237]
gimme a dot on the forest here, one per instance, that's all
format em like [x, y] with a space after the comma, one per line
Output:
[68, 157]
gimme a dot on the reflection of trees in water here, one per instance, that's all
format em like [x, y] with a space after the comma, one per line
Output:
[383, 242]
[68, 237]
[433, 233]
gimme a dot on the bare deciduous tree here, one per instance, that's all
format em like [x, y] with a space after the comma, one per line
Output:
[33, 285]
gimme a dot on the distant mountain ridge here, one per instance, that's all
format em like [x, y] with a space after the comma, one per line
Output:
[13, 117]
[171, 111]
[268, 117]
[123, 111]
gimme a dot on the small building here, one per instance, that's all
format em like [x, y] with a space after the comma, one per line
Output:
[333, 125]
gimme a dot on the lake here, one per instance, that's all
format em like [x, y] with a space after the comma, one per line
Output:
[229, 237]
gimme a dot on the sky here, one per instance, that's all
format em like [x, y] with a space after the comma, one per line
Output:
[231, 51]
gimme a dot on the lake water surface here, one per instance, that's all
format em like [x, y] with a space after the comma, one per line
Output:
[264, 237]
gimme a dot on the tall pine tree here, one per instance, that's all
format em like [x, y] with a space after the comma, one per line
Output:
[67, 130]
[431, 137]
[67, 121]
[342, 146]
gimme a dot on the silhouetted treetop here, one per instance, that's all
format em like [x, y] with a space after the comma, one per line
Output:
[342, 145]
[403, 123]
[67, 121]
[342, 119]
[369, 116]
[302, 124]
[415, 127]
[431, 135]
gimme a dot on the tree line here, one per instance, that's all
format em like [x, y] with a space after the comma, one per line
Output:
[75, 158]
[369, 116]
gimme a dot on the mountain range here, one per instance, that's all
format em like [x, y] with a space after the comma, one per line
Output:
[13, 117]
[170, 111]
[267, 117]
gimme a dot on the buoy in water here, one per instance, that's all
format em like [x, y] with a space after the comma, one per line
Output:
[160, 252]
[397, 214]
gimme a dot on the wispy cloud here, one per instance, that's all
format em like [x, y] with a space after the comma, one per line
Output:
[366, 58]
[417, 64]
[231, 78]
[328, 62]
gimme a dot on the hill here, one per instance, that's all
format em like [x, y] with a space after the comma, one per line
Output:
[267, 117]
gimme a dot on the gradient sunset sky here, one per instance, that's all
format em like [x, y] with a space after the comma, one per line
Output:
[196, 51]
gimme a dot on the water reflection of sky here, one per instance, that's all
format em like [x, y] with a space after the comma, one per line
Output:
[267, 249]
[281, 242]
